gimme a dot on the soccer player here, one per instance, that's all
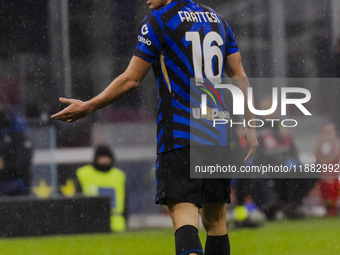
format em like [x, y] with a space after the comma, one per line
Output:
[180, 40]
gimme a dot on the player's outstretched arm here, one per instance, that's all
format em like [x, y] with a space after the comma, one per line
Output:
[236, 72]
[118, 88]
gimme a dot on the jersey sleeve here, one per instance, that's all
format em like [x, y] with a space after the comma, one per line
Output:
[149, 45]
[231, 41]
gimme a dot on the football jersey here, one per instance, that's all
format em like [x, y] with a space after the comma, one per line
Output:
[184, 40]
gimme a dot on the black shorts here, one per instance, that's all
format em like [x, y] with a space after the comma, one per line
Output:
[173, 177]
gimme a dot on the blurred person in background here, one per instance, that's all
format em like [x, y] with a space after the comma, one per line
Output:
[103, 178]
[16, 152]
[164, 42]
[277, 147]
[336, 74]
[327, 153]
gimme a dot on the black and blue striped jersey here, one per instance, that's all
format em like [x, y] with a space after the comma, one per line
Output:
[184, 40]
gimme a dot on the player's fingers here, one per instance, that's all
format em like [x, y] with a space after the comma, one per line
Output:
[65, 100]
[62, 115]
[253, 147]
[58, 116]
[65, 116]
[55, 116]
[250, 154]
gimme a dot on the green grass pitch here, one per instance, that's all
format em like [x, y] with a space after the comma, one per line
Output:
[312, 236]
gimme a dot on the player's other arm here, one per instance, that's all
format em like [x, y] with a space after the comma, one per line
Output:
[236, 72]
[117, 89]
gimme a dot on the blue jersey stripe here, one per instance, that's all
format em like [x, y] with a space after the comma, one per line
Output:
[146, 50]
[161, 149]
[159, 118]
[193, 137]
[169, 63]
[174, 23]
[181, 55]
[196, 125]
[180, 106]
[179, 146]
[160, 134]
[182, 120]
[176, 88]
[181, 134]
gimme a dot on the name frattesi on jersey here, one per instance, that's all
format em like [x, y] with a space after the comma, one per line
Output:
[198, 17]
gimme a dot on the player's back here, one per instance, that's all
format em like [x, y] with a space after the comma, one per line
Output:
[184, 40]
[196, 39]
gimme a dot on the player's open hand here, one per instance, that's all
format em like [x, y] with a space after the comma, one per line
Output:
[250, 135]
[75, 111]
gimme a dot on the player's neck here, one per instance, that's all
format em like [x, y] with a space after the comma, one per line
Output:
[167, 2]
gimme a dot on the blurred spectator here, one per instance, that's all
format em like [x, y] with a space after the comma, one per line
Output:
[102, 178]
[327, 153]
[15, 156]
[277, 148]
[336, 91]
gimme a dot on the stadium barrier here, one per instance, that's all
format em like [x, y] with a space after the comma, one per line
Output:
[28, 216]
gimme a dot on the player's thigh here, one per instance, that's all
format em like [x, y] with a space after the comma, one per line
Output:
[214, 218]
[182, 213]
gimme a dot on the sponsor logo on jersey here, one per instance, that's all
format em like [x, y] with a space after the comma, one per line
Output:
[144, 40]
[145, 30]
[211, 113]
[198, 17]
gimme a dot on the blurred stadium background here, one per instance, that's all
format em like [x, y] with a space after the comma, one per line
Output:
[52, 48]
